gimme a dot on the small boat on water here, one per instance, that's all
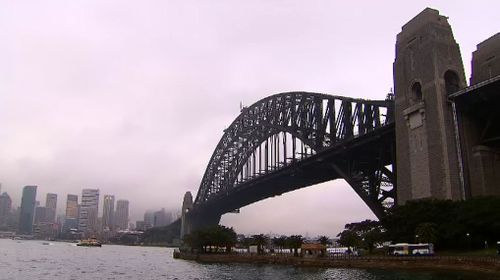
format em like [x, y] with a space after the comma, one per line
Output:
[91, 242]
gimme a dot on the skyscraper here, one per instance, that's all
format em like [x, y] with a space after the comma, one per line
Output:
[161, 218]
[51, 205]
[27, 210]
[108, 212]
[72, 206]
[41, 215]
[121, 215]
[89, 207]
[149, 218]
[5, 206]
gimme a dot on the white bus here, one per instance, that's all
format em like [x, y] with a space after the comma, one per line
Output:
[406, 249]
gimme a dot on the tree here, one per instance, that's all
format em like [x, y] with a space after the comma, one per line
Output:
[294, 242]
[279, 242]
[349, 238]
[426, 233]
[324, 240]
[363, 234]
[453, 220]
[217, 236]
[260, 240]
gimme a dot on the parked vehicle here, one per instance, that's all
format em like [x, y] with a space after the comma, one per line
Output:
[407, 249]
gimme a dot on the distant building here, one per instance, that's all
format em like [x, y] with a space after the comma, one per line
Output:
[121, 215]
[51, 205]
[70, 225]
[27, 210]
[45, 230]
[72, 206]
[89, 207]
[149, 219]
[142, 226]
[5, 207]
[40, 215]
[161, 218]
[108, 212]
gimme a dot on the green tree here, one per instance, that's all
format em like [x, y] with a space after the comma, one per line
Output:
[479, 217]
[426, 233]
[349, 238]
[324, 240]
[279, 242]
[261, 241]
[363, 234]
[213, 237]
[295, 242]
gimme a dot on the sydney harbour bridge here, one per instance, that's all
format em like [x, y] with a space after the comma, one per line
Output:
[420, 142]
[293, 140]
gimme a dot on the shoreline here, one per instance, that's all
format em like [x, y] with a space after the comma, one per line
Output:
[489, 265]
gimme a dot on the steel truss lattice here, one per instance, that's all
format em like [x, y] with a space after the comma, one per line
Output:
[282, 130]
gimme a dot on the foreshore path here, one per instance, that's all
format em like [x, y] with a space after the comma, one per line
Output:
[460, 263]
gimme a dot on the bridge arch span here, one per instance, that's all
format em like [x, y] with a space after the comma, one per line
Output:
[280, 133]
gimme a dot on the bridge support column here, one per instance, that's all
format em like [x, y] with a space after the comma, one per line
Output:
[428, 67]
[187, 205]
[191, 221]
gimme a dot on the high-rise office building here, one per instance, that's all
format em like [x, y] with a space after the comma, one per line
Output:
[87, 218]
[108, 212]
[161, 218]
[41, 215]
[72, 206]
[149, 218]
[121, 214]
[51, 205]
[27, 210]
[5, 207]
[71, 220]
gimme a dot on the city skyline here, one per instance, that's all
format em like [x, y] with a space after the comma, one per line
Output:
[62, 205]
[135, 105]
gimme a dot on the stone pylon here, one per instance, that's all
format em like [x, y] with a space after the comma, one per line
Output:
[187, 205]
[428, 67]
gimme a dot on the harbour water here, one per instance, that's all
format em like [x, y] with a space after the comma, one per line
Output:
[30, 259]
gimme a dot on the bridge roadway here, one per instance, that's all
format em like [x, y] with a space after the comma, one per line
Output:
[293, 140]
[337, 162]
[365, 161]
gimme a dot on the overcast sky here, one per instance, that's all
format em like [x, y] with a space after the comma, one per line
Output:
[131, 97]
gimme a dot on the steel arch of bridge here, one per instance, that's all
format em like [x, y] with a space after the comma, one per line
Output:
[257, 143]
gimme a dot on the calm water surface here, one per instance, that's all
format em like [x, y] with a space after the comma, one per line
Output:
[34, 260]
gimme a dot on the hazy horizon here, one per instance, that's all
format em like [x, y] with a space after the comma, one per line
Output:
[132, 97]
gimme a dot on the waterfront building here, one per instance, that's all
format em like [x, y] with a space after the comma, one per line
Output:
[40, 215]
[139, 225]
[27, 210]
[121, 215]
[45, 230]
[89, 207]
[72, 206]
[70, 224]
[108, 212]
[51, 205]
[161, 218]
[5, 207]
[149, 218]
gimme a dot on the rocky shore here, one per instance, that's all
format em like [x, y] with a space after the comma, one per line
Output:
[473, 264]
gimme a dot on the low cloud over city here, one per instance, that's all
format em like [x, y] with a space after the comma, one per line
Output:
[131, 97]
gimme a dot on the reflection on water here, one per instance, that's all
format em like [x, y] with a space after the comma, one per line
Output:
[57, 260]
